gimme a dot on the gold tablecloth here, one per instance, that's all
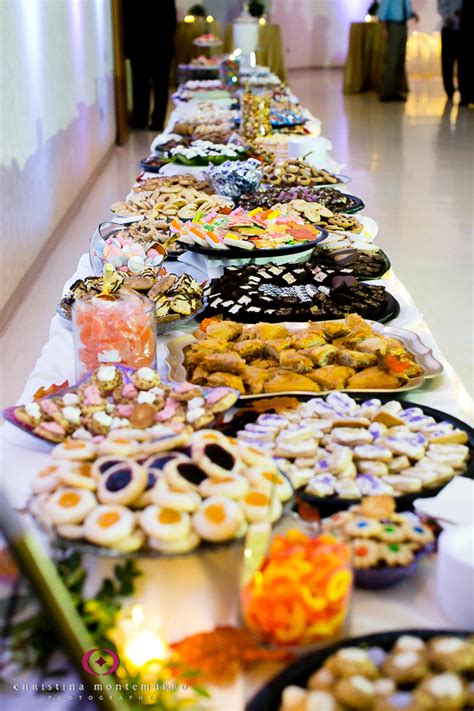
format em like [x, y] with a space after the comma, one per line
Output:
[270, 53]
[365, 58]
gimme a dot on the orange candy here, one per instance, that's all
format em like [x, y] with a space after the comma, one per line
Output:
[119, 330]
[301, 594]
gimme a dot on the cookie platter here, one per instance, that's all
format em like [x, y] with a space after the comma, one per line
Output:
[299, 673]
[412, 450]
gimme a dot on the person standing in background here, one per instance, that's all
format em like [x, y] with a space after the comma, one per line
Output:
[395, 15]
[149, 27]
[466, 54]
[450, 11]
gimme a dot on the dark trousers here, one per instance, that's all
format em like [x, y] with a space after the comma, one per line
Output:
[394, 71]
[449, 56]
[150, 74]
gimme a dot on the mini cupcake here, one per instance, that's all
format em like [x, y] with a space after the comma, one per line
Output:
[351, 661]
[356, 691]
[145, 378]
[441, 692]
[107, 378]
[30, 414]
[405, 668]
[451, 654]
[98, 422]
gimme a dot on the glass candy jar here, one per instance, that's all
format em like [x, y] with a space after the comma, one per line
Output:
[254, 115]
[300, 594]
[109, 328]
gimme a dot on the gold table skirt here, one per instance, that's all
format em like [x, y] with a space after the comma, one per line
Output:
[269, 54]
[366, 58]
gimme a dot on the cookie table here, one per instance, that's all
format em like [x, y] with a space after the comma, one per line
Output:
[200, 591]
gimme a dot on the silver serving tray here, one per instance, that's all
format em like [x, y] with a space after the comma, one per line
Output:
[423, 356]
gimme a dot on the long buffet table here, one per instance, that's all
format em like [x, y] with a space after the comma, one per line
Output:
[198, 592]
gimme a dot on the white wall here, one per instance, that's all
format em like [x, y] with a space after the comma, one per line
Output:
[57, 117]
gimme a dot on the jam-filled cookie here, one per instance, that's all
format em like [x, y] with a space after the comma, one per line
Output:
[131, 543]
[363, 527]
[165, 442]
[69, 505]
[165, 524]
[145, 378]
[107, 378]
[396, 554]
[107, 524]
[178, 545]
[418, 533]
[47, 479]
[216, 455]
[165, 497]
[270, 480]
[122, 484]
[365, 553]
[391, 533]
[258, 505]
[235, 486]
[102, 465]
[218, 519]
[77, 474]
[119, 446]
[184, 474]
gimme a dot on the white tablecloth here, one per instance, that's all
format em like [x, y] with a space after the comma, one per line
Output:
[198, 592]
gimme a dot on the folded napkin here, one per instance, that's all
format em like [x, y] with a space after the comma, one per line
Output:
[453, 506]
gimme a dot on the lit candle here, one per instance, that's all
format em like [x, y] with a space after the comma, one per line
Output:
[141, 638]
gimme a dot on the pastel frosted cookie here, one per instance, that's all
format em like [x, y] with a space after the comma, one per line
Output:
[377, 430]
[341, 403]
[347, 421]
[91, 399]
[162, 495]
[300, 476]
[218, 519]
[125, 394]
[398, 464]
[267, 479]
[377, 452]
[164, 524]
[178, 545]
[362, 527]
[426, 475]
[417, 422]
[145, 378]
[107, 524]
[365, 553]
[99, 423]
[75, 449]
[396, 554]
[340, 459]
[293, 449]
[252, 456]
[235, 486]
[369, 408]
[454, 458]
[451, 654]
[404, 484]
[30, 414]
[413, 445]
[356, 691]
[52, 411]
[272, 420]
[445, 692]
[257, 438]
[321, 485]
[107, 378]
[51, 431]
[372, 485]
[453, 436]
[374, 468]
[390, 419]
[351, 436]
[220, 399]
[66, 506]
[122, 484]
[260, 506]
[347, 488]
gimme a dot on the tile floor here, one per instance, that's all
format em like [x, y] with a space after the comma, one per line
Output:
[412, 165]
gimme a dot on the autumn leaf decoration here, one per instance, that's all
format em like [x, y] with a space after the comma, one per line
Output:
[45, 392]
